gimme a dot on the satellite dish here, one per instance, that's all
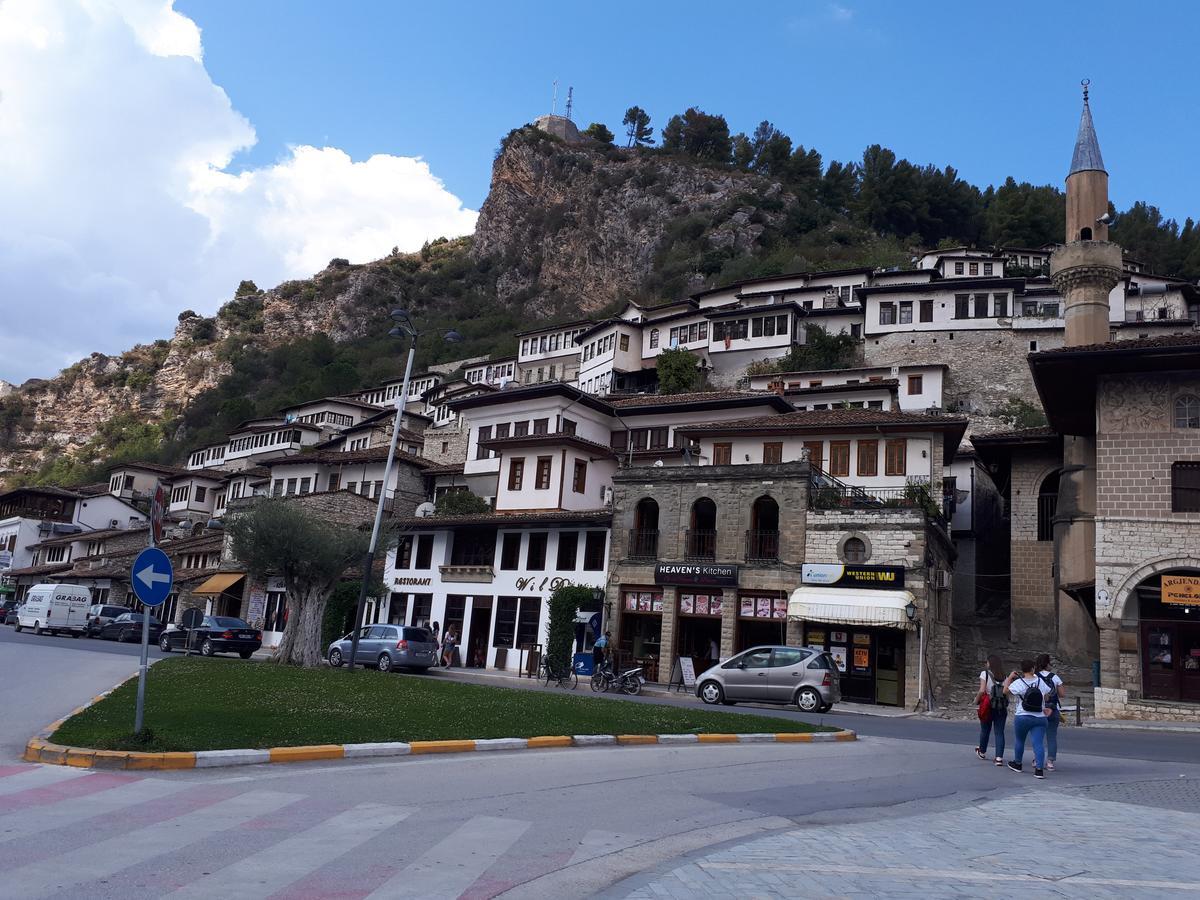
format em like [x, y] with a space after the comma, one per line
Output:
[658, 464]
[425, 510]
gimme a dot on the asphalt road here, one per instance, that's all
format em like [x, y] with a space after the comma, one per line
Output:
[903, 810]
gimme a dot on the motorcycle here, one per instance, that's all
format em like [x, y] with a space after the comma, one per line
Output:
[631, 682]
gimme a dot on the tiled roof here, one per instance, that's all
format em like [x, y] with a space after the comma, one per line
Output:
[803, 419]
[629, 401]
[555, 438]
[1163, 342]
[1043, 431]
[98, 535]
[456, 469]
[156, 468]
[252, 472]
[501, 519]
[45, 569]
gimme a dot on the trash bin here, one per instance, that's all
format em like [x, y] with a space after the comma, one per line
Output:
[583, 664]
[1095, 673]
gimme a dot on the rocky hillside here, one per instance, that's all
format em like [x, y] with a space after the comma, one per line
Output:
[584, 225]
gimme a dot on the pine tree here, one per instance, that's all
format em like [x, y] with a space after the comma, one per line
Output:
[637, 127]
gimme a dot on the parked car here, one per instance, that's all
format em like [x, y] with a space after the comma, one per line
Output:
[128, 627]
[8, 612]
[387, 647]
[798, 675]
[100, 614]
[214, 634]
[55, 608]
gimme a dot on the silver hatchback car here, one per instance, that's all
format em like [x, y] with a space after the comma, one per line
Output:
[387, 647]
[798, 675]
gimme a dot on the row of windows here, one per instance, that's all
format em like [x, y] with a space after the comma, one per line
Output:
[658, 438]
[212, 454]
[120, 482]
[740, 329]
[542, 471]
[515, 429]
[895, 456]
[973, 268]
[686, 334]
[541, 374]
[267, 439]
[548, 343]
[968, 306]
[332, 418]
[490, 373]
[605, 344]
[183, 493]
[416, 551]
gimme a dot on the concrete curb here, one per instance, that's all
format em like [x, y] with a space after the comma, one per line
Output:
[41, 749]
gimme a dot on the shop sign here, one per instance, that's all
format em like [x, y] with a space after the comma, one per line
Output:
[683, 573]
[276, 585]
[1181, 590]
[837, 575]
[542, 583]
[412, 581]
[258, 605]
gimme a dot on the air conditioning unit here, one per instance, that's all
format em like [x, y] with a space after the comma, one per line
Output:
[114, 523]
[943, 579]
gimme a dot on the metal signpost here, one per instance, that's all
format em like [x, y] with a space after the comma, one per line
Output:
[151, 577]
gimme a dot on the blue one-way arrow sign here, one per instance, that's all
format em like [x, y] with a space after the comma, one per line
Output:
[152, 576]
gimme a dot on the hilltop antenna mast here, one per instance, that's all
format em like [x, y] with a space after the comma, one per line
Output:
[554, 98]
[570, 98]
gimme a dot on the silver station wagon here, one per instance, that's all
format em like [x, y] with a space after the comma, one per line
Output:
[807, 678]
[387, 647]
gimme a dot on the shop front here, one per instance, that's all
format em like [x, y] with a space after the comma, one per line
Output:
[699, 630]
[761, 619]
[640, 640]
[1169, 636]
[857, 615]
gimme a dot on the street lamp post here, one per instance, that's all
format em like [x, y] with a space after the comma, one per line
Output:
[404, 328]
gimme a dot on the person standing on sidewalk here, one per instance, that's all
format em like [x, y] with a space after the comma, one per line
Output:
[1033, 701]
[991, 686]
[448, 642]
[1054, 717]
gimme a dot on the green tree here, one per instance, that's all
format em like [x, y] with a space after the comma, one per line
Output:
[1020, 414]
[700, 135]
[637, 127]
[677, 373]
[461, 503]
[245, 288]
[278, 537]
[820, 350]
[564, 603]
[597, 131]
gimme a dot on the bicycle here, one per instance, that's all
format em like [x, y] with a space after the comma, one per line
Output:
[547, 673]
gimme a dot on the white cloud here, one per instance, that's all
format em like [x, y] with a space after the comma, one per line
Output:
[116, 207]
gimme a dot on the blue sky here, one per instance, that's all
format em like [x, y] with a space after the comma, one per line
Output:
[991, 89]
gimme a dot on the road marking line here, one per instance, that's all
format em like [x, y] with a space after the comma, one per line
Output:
[75, 789]
[957, 874]
[34, 821]
[108, 857]
[38, 776]
[274, 868]
[455, 863]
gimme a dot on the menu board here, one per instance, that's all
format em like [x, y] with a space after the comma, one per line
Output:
[714, 606]
[687, 603]
[746, 607]
[643, 601]
[700, 604]
[862, 659]
[779, 608]
[839, 657]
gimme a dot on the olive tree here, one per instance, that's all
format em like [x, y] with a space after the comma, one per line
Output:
[278, 537]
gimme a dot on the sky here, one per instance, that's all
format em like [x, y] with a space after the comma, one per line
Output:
[154, 153]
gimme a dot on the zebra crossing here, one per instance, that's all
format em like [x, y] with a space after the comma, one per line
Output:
[73, 832]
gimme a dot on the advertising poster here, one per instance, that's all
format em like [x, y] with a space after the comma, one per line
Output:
[862, 640]
[631, 601]
[839, 657]
[702, 604]
[687, 603]
[763, 608]
[257, 607]
[714, 606]
[780, 607]
[817, 638]
[747, 604]
[657, 603]
[862, 659]
[838, 637]
[644, 603]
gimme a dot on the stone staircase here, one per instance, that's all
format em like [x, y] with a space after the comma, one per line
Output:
[973, 644]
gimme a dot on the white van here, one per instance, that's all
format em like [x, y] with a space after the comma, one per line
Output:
[55, 608]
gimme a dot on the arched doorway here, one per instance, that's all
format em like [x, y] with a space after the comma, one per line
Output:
[702, 530]
[643, 540]
[763, 540]
[1168, 606]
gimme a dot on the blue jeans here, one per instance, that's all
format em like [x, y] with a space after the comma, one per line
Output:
[985, 731]
[1052, 721]
[1034, 728]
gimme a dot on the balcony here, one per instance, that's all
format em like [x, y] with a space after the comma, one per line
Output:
[700, 545]
[762, 546]
[643, 544]
[844, 496]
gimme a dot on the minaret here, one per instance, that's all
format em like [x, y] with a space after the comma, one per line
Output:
[1084, 270]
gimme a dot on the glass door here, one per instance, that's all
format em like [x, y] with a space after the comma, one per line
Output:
[1160, 662]
[1189, 663]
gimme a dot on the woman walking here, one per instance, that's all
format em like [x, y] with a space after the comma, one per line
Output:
[1033, 700]
[994, 717]
[448, 641]
[1054, 717]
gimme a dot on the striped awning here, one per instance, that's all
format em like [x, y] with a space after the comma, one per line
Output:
[850, 606]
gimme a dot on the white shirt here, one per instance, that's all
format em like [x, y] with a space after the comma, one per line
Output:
[1058, 682]
[1022, 684]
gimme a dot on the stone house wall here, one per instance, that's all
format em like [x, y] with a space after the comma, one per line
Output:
[1033, 608]
[447, 444]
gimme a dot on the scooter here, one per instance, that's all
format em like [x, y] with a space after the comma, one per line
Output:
[631, 682]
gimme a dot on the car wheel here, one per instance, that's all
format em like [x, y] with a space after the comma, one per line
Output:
[827, 707]
[207, 649]
[711, 693]
[37, 628]
[17, 628]
[245, 654]
[809, 700]
[335, 658]
[164, 644]
[74, 634]
[384, 663]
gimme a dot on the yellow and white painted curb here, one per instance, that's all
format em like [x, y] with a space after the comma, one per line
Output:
[42, 749]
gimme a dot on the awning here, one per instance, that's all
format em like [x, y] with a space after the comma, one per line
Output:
[220, 582]
[850, 607]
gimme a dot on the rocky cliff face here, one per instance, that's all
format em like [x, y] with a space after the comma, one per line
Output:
[578, 226]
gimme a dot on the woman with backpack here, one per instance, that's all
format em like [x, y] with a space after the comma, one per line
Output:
[993, 708]
[1054, 717]
[1033, 701]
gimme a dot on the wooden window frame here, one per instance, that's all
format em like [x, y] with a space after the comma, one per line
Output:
[867, 464]
[579, 477]
[839, 468]
[542, 479]
[816, 453]
[772, 452]
[917, 381]
[516, 474]
[895, 457]
[722, 454]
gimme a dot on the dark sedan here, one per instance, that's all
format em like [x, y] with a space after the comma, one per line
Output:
[128, 627]
[214, 634]
[8, 608]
